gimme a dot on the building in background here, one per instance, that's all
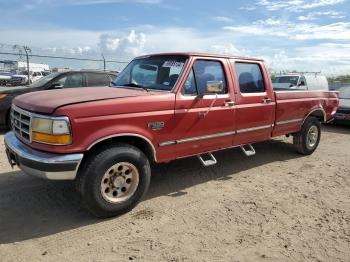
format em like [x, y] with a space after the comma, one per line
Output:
[15, 66]
[60, 69]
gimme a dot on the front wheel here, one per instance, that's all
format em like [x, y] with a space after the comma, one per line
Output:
[113, 181]
[307, 139]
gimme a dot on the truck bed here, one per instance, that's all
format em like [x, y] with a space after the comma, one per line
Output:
[294, 106]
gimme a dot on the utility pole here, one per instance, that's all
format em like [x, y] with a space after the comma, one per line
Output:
[27, 49]
[104, 62]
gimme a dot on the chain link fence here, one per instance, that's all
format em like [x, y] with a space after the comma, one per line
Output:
[71, 59]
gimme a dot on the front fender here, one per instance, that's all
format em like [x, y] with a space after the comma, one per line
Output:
[119, 131]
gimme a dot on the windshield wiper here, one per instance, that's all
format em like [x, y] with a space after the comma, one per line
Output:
[136, 85]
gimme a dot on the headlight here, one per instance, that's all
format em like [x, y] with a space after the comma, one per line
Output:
[54, 131]
[3, 96]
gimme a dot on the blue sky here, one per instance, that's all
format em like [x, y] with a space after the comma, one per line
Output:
[292, 34]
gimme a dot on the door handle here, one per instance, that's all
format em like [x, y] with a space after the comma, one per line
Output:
[267, 100]
[229, 103]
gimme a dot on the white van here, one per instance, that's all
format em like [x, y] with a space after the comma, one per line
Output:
[301, 81]
[22, 77]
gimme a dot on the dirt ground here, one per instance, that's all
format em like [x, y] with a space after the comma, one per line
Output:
[274, 206]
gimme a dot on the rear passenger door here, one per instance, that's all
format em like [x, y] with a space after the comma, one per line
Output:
[255, 105]
[98, 79]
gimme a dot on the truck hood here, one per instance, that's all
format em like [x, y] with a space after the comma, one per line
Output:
[47, 102]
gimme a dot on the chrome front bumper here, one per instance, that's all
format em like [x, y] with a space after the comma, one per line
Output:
[41, 164]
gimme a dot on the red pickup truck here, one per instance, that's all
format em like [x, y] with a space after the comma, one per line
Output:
[162, 107]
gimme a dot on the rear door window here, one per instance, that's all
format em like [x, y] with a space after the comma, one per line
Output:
[96, 79]
[71, 80]
[250, 78]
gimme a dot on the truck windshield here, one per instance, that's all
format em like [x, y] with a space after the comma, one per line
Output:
[152, 72]
[286, 80]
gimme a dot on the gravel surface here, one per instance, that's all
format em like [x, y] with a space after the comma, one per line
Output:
[274, 206]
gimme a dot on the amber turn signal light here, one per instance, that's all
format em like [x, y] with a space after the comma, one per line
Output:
[51, 139]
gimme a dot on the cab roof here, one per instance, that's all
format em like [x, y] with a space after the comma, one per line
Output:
[203, 55]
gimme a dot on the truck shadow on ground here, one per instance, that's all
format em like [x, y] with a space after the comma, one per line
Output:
[32, 208]
[337, 128]
[3, 131]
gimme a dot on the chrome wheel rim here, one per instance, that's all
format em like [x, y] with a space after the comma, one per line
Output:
[312, 136]
[119, 182]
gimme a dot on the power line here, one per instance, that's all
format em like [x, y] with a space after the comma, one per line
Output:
[68, 58]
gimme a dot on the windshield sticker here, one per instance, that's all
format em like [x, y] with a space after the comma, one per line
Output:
[172, 64]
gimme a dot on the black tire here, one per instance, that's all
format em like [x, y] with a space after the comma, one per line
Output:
[303, 142]
[95, 168]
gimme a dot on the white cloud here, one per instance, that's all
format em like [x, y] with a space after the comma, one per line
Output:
[17, 6]
[327, 51]
[248, 7]
[228, 49]
[125, 46]
[277, 5]
[314, 15]
[321, 3]
[74, 51]
[329, 58]
[49, 37]
[295, 31]
[97, 2]
[222, 19]
[334, 31]
[295, 5]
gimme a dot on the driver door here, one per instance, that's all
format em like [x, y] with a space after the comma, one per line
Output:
[204, 122]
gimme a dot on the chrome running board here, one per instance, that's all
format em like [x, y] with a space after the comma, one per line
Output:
[248, 151]
[208, 162]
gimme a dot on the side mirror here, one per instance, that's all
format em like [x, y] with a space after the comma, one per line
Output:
[215, 87]
[56, 85]
[302, 83]
[212, 88]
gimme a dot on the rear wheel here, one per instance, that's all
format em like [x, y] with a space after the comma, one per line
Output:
[307, 140]
[114, 180]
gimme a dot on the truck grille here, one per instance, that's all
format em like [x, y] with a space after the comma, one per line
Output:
[21, 122]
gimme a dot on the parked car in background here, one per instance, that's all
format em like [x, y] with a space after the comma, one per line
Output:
[343, 113]
[69, 79]
[301, 81]
[46, 73]
[5, 78]
[22, 78]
